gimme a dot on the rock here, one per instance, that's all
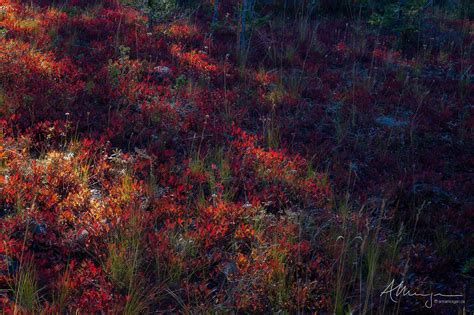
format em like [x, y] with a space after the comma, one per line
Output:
[8, 265]
[435, 193]
[38, 228]
[159, 191]
[145, 203]
[95, 194]
[229, 269]
[161, 72]
[389, 121]
[5, 210]
[83, 235]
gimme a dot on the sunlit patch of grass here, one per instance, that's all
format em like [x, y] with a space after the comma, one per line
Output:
[264, 181]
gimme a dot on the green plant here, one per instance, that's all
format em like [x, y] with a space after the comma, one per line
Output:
[171, 270]
[180, 82]
[63, 291]
[280, 284]
[443, 242]
[137, 299]
[344, 260]
[113, 72]
[465, 9]
[249, 21]
[371, 263]
[125, 253]
[26, 288]
[160, 9]
[401, 19]
[218, 164]
[468, 266]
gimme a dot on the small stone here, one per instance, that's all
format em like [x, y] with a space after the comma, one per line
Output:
[83, 235]
[390, 121]
[229, 268]
[95, 194]
[161, 72]
[38, 228]
[11, 265]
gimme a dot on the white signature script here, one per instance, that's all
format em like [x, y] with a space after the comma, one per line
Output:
[395, 291]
